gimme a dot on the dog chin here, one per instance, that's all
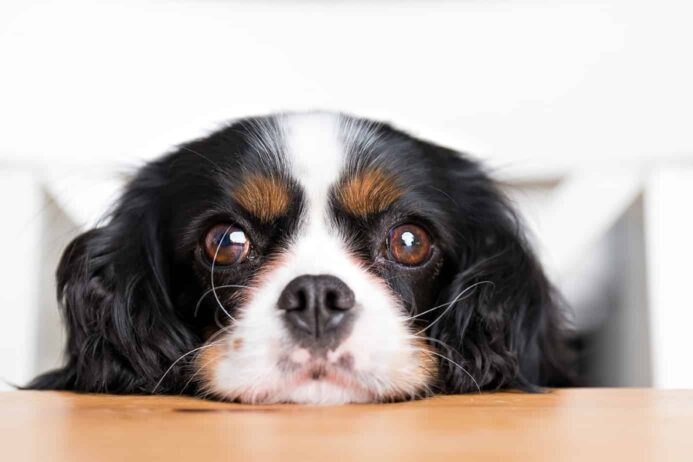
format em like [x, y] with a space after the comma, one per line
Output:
[332, 388]
[323, 392]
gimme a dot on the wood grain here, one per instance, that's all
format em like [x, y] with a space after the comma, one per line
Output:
[576, 424]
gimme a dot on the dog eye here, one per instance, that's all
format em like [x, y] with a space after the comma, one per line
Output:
[226, 244]
[409, 244]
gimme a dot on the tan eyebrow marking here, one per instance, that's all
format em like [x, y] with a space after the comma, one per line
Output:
[367, 192]
[265, 197]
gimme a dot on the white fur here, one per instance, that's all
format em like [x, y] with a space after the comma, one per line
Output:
[385, 363]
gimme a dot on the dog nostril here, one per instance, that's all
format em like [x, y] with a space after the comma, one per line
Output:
[339, 299]
[293, 297]
[299, 301]
[331, 299]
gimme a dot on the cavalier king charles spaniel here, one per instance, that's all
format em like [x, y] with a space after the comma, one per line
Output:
[308, 258]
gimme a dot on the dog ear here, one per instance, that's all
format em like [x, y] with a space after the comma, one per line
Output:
[113, 287]
[503, 324]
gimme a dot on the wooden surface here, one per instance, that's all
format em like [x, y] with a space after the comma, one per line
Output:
[587, 424]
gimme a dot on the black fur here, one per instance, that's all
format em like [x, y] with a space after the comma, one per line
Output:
[129, 290]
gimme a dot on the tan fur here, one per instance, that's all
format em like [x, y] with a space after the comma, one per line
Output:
[368, 192]
[207, 363]
[263, 196]
[428, 365]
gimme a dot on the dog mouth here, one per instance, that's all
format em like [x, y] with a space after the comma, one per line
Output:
[326, 370]
[331, 375]
[331, 367]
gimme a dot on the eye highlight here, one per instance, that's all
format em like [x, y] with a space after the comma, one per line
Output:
[226, 244]
[409, 245]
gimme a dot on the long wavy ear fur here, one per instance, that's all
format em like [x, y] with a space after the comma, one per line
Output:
[507, 331]
[113, 289]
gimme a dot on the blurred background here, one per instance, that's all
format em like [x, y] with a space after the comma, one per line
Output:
[583, 110]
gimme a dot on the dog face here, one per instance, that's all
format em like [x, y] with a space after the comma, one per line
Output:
[321, 224]
[312, 258]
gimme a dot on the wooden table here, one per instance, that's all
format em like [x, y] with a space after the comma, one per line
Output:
[577, 424]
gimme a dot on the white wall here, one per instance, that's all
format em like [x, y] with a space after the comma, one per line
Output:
[20, 252]
[670, 248]
[533, 86]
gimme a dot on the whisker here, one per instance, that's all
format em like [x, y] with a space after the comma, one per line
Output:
[202, 368]
[455, 300]
[447, 303]
[202, 297]
[212, 337]
[181, 357]
[214, 260]
[478, 388]
[440, 342]
[431, 339]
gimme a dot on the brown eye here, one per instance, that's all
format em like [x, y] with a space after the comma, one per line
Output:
[226, 244]
[409, 245]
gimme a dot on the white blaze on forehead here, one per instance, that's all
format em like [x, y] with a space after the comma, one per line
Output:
[316, 157]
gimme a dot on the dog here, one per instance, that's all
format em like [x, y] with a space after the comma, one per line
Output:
[314, 258]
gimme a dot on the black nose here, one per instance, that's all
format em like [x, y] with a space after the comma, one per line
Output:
[316, 305]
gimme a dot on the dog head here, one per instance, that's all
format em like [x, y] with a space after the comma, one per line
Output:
[314, 258]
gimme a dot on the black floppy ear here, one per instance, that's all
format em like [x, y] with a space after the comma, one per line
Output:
[504, 325]
[113, 288]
